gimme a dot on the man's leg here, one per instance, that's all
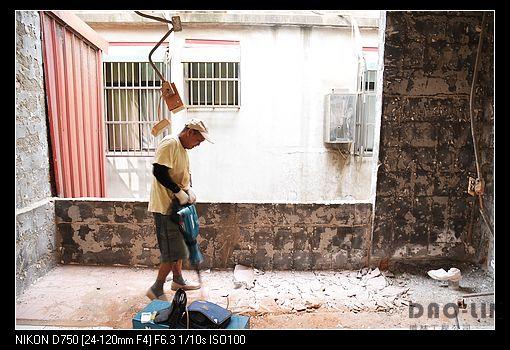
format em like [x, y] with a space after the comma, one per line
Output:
[164, 270]
[178, 281]
[177, 273]
[156, 290]
[166, 264]
[177, 268]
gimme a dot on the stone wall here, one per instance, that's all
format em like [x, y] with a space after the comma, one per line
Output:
[36, 245]
[422, 208]
[35, 225]
[266, 236]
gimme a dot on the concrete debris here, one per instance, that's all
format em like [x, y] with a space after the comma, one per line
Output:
[266, 305]
[388, 274]
[244, 277]
[316, 286]
[374, 273]
[300, 307]
[358, 306]
[313, 304]
[362, 290]
[362, 272]
[393, 291]
[337, 291]
[376, 283]
[346, 283]
[352, 292]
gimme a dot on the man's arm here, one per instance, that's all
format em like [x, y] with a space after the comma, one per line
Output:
[161, 174]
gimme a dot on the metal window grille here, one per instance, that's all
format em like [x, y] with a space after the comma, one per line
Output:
[365, 119]
[131, 95]
[212, 84]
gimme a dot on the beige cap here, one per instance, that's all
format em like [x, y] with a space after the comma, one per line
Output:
[197, 124]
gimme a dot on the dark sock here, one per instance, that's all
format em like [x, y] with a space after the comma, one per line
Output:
[179, 280]
[157, 287]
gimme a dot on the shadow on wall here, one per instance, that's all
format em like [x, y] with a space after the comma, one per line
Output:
[128, 177]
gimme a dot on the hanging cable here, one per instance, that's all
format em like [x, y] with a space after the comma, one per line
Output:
[479, 186]
[471, 97]
[360, 60]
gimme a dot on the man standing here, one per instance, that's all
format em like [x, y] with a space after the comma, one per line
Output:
[170, 190]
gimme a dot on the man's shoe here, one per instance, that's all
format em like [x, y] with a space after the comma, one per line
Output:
[185, 286]
[152, 295]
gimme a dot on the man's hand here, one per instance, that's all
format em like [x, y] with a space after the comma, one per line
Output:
[182, 197]
[192, 196]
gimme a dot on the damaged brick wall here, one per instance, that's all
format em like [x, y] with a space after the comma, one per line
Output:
[35, 225]
[422, 208]
[266, 236]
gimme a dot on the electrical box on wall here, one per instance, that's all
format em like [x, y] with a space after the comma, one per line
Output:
[340, 118]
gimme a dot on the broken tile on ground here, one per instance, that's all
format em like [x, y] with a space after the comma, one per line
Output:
[122, 289]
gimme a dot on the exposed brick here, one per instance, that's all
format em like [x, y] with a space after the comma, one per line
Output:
[245, 214]
[263, 236]
[141, 214]
[283, 260]
[430, 163]
[283, 238]
[343, 215]
[424, 183]
[302, 260]
[419, 134]
[363, 214]
[340, 260]
[262, 259]
[391, 134]
[321, 261]
[223, 242]
[285, 214]
[244, 257]
[264, 215]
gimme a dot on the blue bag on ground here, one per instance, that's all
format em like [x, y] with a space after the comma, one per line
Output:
[188, 221]
[204, 314]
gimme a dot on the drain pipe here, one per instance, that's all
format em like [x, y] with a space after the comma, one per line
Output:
[479, 185]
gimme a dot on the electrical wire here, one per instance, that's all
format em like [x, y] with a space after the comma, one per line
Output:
[471, 98]
[475, 145]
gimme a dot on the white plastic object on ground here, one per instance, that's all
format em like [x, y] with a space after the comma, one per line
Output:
[452, 274]
[244, 277]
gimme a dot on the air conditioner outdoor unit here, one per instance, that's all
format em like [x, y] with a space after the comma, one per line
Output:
[340, 118]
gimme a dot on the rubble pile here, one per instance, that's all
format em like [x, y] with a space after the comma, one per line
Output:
[293, 291]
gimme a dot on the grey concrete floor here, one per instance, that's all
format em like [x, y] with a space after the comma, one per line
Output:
[74, 296]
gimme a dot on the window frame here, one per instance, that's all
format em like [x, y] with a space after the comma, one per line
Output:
[362, 124]
[211, 90]
[144, 144]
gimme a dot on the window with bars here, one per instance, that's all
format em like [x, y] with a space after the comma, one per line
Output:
[212, 84]
[365, 123]
[131, 98]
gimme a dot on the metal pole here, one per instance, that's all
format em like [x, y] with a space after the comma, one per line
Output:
[477, 295]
